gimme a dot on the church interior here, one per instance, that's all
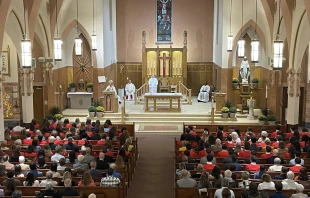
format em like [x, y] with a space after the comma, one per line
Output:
[157, 69]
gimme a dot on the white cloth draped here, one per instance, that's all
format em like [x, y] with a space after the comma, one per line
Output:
[203, 95]
[153, 82]
[130, 90]
[112, 88]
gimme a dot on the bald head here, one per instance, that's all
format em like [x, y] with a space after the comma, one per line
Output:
[184, 173]
[113, 166]
[49, 174]
[92, 195]
[80, 158]
[88, 150]
[101, 156]
[93, 164]
[275, 152]
[67, 183]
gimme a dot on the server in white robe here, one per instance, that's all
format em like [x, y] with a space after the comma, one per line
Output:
[111, 87]
[203, 96]
[153, 83]
[130, 90]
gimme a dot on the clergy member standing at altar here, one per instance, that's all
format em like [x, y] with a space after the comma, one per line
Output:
[203, 95]
[153, 82]
[130, 90]
[111, 87]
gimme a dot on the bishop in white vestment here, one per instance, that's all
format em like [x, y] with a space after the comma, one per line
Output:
[111, 87]
[203, 95]
[153, 82]
[130, 91]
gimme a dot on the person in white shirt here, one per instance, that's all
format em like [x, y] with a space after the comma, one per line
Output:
[111, 87]
[224, 183]
[289, 183]
[49, 176]
[267, 183]
[264, 137]
[57, 156]
[153, 83]
[297, 155]
[21, 160]
[245, 180]
[130, 90]
[203, 95]
[276, 167]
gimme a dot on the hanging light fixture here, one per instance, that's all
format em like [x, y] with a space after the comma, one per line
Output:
[241, 41]
[278, 47]
[26, 45]
[230, 37]
[57, 41]
[255, 44]
[94, 36]
[78, 41]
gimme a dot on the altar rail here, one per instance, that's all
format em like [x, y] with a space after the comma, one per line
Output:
[140, 92]
[187, 93]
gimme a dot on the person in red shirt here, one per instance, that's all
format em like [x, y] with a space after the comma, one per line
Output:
[304, 131]
[292, 129]
[276, 143]
[223, 152]
[253, 167]
[189, 148]
[103, 139]
[275, 133]
[30, 152]
[209, 166]
[246, 153]
[268, 153]
[297, 167]
[229, 142]
[28, 139]
[192, 132]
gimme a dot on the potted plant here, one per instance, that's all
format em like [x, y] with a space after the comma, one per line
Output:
[58, 116]
[228, 104]
[262, 119]
[225, 111]
[99, 111]
[72, 87]
[55, 110]
[271, 119]
[255, 83]
[89, 87]
[49, 117]
[92, 111]
[232, 112]
[235, 82]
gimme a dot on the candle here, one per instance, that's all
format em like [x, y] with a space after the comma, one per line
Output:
[59, 86]
[266, 91]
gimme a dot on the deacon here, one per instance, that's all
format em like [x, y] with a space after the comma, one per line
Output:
[153, 82]
[130, 90]
[111, 87]
[203, 95]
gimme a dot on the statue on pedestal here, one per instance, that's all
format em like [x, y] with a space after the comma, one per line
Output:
[245, 71]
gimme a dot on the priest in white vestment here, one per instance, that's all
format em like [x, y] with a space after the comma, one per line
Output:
[111, 87]
[130, 90]
[203, 95]
[153, 82]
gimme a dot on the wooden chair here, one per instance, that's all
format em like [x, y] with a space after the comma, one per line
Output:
[164, 85]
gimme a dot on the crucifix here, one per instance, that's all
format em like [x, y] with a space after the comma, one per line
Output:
[164, 57]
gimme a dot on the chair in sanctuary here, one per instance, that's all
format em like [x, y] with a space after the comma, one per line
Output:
[164, 85]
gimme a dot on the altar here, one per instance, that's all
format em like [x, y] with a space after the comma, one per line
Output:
[163, 107]
[79, 100]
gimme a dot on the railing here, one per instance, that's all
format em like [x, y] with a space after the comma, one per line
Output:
[140, 92]
[187, 93]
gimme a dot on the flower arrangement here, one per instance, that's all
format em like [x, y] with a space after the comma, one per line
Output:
[235, 80]
[225, 110]
[262, 117]
[99, 109]
[233, 110]
[72, 85]
[271, 118]
[89, 85]
[91, 109]
[49, 116]
[58, 116]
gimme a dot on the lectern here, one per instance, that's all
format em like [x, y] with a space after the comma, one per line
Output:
[220, 101]
[110, 101]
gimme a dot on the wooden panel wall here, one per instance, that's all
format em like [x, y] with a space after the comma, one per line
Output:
[132, 71]
[198, 74]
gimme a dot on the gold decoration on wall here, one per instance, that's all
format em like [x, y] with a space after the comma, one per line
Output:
[48, 70]
[290, 81]
[1, 88]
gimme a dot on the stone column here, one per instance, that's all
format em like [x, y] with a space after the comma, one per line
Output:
[26, 85]
[1, 109]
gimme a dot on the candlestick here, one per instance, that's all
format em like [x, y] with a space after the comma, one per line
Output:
[266, 91]
[60, 87]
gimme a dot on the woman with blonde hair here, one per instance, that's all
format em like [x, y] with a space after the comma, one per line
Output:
[66, 175]
[245, 180]
[200, 170]
[119, 162]
[282, 149]
[267, 183]
[86, 180]
[7, 135]
[204, 181]
[48, 151]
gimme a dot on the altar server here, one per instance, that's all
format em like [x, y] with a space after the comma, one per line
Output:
[130, 90]
[153, 82]
[204, 93]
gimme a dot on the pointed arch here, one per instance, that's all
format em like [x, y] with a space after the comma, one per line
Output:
[67, 30]
[287, 13]
[4, 9]
[269, 9]
[259, 32]
[307, 6]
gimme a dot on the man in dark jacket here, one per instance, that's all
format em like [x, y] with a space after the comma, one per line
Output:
[67, 191]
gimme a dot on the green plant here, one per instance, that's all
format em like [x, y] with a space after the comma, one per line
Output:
[265, 112]
[100, 109]
[225, 110]
[271, 118]
[91, 109]
[97, 103]
[72, 85]
[49, 116]
[55, 110]
[233, 110]
[89, 85]
[235, 80]
[255, 80]
[58, 116]
[262, 117]
[228, 104]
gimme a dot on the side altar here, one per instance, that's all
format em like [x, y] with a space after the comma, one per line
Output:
[79, 100]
